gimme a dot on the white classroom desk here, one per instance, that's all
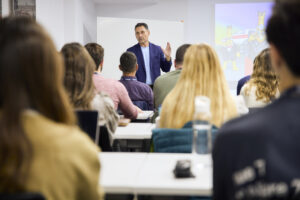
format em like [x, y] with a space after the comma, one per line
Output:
[134, 131]
[119, 171]
[152, 173]
[146, 114]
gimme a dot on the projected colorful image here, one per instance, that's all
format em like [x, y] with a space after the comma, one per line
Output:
[240, 36]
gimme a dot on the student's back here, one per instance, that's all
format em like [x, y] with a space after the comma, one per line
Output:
[140, 93]
[41, 149]
[257, 156]
[65, 164]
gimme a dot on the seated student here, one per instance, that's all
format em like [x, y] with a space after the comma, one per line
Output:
[138, 91]
[79, 69]
[165, 83]
[41, 148]
[262, 88]
[201, 75]
[257, 156]
[113, 88]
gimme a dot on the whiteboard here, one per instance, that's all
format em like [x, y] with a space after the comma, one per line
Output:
[116, 35]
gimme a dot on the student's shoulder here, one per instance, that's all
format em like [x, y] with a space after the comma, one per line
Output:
[167, 76]
[255, 124]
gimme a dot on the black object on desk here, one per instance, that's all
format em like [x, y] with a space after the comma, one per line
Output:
[183, 169]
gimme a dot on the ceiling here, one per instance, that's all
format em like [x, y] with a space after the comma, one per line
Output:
[126, 1]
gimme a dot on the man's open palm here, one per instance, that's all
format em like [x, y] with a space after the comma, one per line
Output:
[167, 51]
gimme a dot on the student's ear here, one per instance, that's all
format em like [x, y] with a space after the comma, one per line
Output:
[101, 65]
[120, 67]
[136, 67]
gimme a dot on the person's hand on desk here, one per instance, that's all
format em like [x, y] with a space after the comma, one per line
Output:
[167, 51]
[138, 109]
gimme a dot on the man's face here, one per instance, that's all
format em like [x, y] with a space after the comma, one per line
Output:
[142, 34]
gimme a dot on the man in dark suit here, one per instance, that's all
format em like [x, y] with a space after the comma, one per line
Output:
[257, 156]
[151, 58]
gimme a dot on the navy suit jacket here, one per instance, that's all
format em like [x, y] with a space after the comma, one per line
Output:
[157, 62]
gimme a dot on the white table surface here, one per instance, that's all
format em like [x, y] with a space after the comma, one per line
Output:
[156, 176]
[152, 173]
[146, 114]
[134, 131]
[119, 171]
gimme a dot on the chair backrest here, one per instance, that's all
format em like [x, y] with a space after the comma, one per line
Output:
[143, 105]
[104, 140]
[178, 140]
[22, 196]
[88, 122]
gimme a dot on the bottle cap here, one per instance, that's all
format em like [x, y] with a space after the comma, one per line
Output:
[202, 104]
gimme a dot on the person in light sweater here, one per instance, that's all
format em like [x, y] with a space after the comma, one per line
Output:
[262, 87]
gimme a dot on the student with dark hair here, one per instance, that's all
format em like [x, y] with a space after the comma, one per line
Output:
[41, 148]
[140, 93]
[257, 156]
[113, 88]
[151, 58]
[165, 83]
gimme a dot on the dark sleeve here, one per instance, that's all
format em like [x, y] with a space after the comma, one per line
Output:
[126, 105]
[221, 173]
[239, 87]
[164, 64]
[150, 99]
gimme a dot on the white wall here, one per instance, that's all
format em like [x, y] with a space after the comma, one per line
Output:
[198, 15]
[68, 20]
[165, 10]
[76, 20]
[51, 15]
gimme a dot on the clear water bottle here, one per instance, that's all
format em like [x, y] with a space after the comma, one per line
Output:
[202, 141]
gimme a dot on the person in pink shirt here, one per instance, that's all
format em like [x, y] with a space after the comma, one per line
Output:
[113, 88]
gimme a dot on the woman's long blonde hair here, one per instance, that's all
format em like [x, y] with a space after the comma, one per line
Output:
[263, 77]
[201, 75]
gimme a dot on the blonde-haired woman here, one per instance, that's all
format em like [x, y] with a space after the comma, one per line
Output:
[262, 87]
[201, 75]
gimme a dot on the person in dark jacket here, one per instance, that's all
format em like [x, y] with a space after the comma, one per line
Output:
[257, 155]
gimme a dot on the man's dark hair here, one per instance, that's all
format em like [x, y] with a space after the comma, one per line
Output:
[283, 31]
[96, 51]
[128, 62]
[141, 24]
[180, 53]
